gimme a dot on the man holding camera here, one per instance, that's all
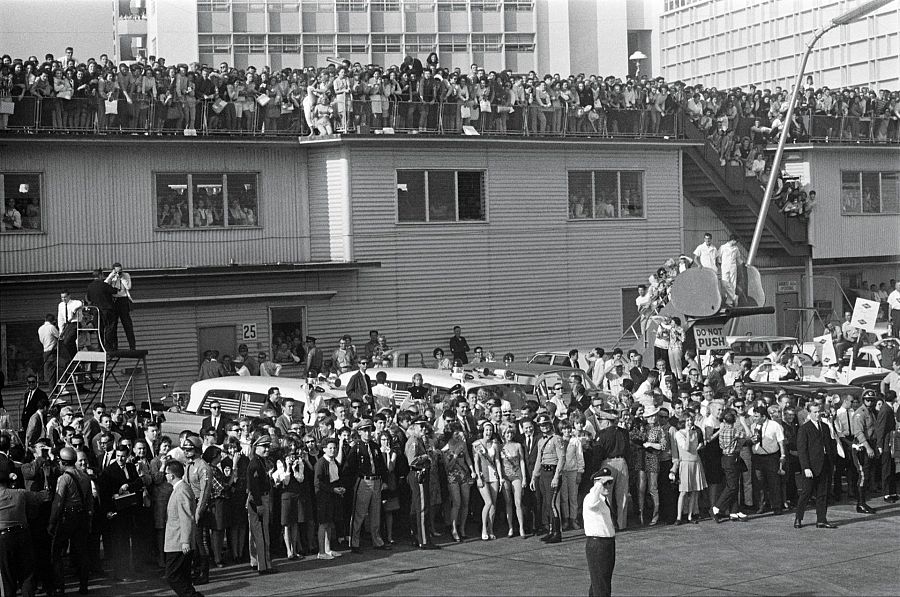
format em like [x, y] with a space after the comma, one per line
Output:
[121, 281]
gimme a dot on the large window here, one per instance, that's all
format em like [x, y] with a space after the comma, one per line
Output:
[870, 192]
[604, 194]
[206, 200]
[20, 196]
[440, 196]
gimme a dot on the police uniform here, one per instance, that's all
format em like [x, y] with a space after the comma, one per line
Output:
[198, 476]
[612, 445]
[259, 508]
[600, 546]
[70, 521]
[551, 459]
[367, 472]
[418, 480]
[862, 427]
[17, 561]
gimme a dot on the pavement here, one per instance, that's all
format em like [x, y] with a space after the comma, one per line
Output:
[765, 556]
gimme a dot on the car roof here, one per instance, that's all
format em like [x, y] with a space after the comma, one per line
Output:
[244, 383]
[804, 387]
[431, 377]
[733, 339]
[521, 369]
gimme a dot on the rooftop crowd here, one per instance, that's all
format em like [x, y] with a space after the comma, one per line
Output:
[328, 478]
[74, 95]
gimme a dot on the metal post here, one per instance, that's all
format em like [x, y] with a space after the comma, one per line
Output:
[782, 139]
[809, 299]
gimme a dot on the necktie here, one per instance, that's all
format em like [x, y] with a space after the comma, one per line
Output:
[847, 431]
[371, 459]
[125, 470]
[529, 444]
[106, 460]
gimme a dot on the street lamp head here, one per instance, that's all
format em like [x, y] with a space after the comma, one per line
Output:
[859, 12]
[638, 55]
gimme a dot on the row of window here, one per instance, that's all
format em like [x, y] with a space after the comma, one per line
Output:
[359, 43]
[363, 5]
[206, 200]
[870, 192]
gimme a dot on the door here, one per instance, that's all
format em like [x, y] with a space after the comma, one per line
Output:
[629, 309]
[787, 314]
[219, 338]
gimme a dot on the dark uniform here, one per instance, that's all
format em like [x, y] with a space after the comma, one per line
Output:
[551, 459]
[70, 522]
[259, 509]
[862, 426]
[17, 561]
[368, 472]
[611, 446]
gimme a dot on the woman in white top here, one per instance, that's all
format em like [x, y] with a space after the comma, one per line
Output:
[487, 474]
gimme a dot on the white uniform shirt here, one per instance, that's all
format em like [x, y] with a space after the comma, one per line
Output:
[48, 335]
[597, 516]
[67, 312]
[772, 434]
[707, 255]
[730, 255]
[894, 299]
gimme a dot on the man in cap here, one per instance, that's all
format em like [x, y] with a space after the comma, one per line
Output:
[600, 547]
[367, 470]
[611, 446]
[70, 521]
[418, 479]
[862, 429]
[198, 475]
[259, 505]
[545, 479]
[17, 561]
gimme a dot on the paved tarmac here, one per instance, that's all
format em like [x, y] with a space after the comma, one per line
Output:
[765, 556]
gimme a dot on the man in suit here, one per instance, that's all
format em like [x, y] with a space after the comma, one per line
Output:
[180, 532]
[33, 396]
[217, 421]
[531, 506]
[885, 423]
[37, 423]
[284, 421]
[817, 452]
[100, 295]
[359, 385]
[637, 371]
[120, 478]
[210, 368]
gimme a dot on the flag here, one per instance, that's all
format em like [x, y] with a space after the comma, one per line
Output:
[865, 314]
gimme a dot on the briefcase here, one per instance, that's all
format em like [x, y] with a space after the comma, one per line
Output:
[126, 501]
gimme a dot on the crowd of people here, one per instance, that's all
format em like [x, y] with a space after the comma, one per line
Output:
[678, 446]
[415, 96]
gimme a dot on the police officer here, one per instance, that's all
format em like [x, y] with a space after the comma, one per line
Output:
[198, 475]
[418, 480]
[368, 472]
[611, 447]
[17, 562]
[259, 505]
[70, 521]
[600, 547]
[545, 480]
[862, 427]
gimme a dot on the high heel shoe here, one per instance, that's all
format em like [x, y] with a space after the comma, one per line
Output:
[456, 536]
[492, 537]
[522, 533]
[485, 537]
[511, 533]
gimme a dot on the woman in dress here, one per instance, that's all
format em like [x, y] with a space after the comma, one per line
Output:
[160, 490]
[487, 474]
[390, 499]
[217, 512]
[676, 346]
[289, 474]
[711, 451]
[572, 471]
[328, 498]
[441, 362]
[686, 460]
[236, 464]
[657, 442]
[512, 460]
[460, 473]
[637, 435]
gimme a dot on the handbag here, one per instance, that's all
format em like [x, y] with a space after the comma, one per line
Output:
[66, 94]
[287, 107]
[465, 112]
[485, 106]
[110, 107]
[263, 100]
[219, 105]
[7, 107]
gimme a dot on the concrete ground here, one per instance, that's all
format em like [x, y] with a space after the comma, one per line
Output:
[765, 556]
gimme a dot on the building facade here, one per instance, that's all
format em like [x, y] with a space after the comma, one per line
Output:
[733, 43]
[525, 244]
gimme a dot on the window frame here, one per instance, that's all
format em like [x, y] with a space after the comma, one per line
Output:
[427, 221]
[860, 188]
[190, 198]
[619, 205]
[40, 179]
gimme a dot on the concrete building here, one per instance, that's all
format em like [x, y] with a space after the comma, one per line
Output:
[733, 43]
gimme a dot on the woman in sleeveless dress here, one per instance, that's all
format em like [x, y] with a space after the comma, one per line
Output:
[686, 460]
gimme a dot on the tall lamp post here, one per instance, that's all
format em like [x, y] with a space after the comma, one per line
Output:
[636, 58]
[844, 19]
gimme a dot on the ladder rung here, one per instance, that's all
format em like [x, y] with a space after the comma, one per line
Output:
[90, 356]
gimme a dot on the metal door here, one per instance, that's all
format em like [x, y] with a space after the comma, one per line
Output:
[219, 338]
[787, 315]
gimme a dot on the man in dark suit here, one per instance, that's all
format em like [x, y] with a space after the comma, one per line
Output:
[637, 372]
[120, 478]
[885, 423]
[817, 452]
[531, 505]
[100, 295]
[33, 396]
[360, 384]
[216, 420]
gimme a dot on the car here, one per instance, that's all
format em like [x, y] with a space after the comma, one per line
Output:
[804, 389]
[871, 381]
[238, 396]
[753, 347]
[439, 382]
[537, 379]
[866, 360]
[559, 358]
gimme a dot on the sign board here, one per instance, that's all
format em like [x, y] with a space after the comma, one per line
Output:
[825, 349]
[865, 313]
[248, 331]
[787, 286]
[710, 337]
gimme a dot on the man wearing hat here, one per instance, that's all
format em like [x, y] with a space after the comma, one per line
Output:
[600, 547]
[198, 475]
[862, 428]
[70, 520]
[418, 479]
[545, 479]
[368, 471]
[259, 505]
[610, 447]
[17, 561]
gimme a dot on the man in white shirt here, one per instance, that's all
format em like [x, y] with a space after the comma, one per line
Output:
[730, 257]
[643, 303]
[893, 301]
[121, 281]
[67, 315]
[706, 254]
[769, 457]
[600, 547]
[383, 395]
[49, 336]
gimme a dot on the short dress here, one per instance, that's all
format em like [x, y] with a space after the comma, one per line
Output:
[655, 435]
[458, 472]
[291, 505]
[512, 464]
[690, 468]
[637, 436]
[711, 456]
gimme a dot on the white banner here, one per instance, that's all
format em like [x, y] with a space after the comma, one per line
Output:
[825, 350]
[865, 313]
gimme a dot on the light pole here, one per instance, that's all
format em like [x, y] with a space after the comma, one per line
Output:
[636, 58]
[844, 19]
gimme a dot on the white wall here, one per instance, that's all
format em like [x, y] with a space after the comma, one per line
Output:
[40, 27]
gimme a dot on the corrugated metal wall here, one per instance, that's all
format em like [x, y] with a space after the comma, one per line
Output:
[838, 236]
[99, 207]
[698, 220]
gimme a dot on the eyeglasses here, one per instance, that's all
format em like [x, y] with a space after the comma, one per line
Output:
[608, 482]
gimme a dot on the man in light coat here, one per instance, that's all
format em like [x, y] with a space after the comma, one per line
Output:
[180, 532]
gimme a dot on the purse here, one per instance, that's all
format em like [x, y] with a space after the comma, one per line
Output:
[465, 112]
[126, 501]
[7, 107]
[219, 105]
[485, 106]
[111, 107]
[287, 107]
[263, 100]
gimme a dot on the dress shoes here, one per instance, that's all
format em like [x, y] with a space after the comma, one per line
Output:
[556, 538]
[429, 546]
[825, 525]
[798, 524]
[865, 509]
[356, 550]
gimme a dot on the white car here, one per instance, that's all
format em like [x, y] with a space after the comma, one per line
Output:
[865, 361]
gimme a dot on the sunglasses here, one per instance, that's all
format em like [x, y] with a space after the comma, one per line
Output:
[608, 482]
